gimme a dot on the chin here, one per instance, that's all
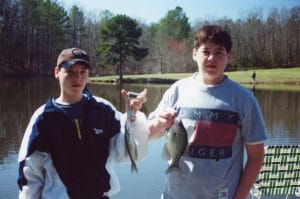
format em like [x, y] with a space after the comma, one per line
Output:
[77, 89]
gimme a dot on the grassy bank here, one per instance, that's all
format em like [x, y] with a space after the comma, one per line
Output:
[281, 78]
[268, 76]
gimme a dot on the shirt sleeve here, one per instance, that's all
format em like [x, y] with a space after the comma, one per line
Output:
[31, 177]
[252, 123]
[33, 172]
[42, 180]
[169, 100]
[37, 175]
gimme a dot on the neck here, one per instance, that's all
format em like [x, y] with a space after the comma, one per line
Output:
[213, 81]
[66, 99]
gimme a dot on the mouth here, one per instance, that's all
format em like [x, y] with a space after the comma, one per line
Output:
[76, 85]
[211, 67]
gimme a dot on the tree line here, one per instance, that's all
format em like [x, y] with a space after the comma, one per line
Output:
[33, 32]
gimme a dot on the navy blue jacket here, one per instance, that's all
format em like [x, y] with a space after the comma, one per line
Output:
[79, 153]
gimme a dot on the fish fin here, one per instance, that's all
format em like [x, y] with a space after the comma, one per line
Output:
[133, 159]
[126, 151]
[172, 168]
[165, 152]
[136, 154]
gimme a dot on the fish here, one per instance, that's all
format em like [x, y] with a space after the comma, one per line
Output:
[130, 141]
[177, 141]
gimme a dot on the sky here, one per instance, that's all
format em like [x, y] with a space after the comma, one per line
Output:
[151, 11]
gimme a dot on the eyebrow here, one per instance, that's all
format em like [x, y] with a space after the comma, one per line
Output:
[219, 48]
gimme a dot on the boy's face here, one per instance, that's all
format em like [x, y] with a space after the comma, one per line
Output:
[211, 60]
[72, 81]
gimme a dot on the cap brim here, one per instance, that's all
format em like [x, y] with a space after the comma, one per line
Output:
[68, 64]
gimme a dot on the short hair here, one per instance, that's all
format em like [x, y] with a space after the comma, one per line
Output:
[212, 33]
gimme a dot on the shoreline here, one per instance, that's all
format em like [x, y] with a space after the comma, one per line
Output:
[258, 85]
[170, 81]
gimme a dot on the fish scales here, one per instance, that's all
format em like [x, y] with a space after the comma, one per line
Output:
[176, 144]
[130, 141]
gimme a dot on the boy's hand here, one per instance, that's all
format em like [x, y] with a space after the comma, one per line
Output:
[158, 124]
[136, 102]
[166, 117]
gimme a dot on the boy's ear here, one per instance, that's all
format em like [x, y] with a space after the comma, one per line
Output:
[56, 70]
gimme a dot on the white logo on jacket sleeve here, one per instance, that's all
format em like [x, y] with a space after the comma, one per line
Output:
[98, 131]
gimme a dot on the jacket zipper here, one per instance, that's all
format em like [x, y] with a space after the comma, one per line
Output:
[78, 129]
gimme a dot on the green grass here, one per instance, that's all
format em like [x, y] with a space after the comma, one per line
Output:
[280, 79]
[280, 75]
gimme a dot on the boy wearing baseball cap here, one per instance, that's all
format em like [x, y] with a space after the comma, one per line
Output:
[71, 140]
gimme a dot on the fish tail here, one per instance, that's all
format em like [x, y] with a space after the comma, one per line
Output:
[133, 167]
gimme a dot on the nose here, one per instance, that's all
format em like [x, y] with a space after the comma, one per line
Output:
[77, 75]
[210, 57]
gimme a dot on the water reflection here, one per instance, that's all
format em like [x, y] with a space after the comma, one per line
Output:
[281, 110]
[20, 97]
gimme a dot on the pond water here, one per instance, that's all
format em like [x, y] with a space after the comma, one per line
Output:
[19, 97]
